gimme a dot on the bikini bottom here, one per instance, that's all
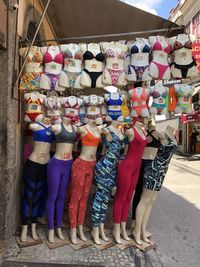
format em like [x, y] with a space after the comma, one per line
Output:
[30, 81]
[34, 116]
[93, 76]
[72, 76]
[141, 110]
[161, 69]
[53, 79]
[186, 107]
[139, 71]
[114, 114]
[159, 107]
[114, 74]
[184, 68]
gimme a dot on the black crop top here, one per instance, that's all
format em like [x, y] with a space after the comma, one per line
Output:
[65, 136]
[89, 56]
[155, 142]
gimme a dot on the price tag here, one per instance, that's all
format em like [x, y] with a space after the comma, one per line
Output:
[160, 100]
[115, 107]
[72, 63]
[161, 55]
[183, 54]
[94, 66]
[92, 108]
[34, 107]
[140, 58]
[92, 156]
[186, 99]
[53, 67]
[115, 66]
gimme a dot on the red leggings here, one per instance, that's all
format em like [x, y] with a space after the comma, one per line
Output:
[127, 178]
[81, 182]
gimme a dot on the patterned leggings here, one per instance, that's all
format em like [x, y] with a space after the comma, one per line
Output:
[104, 181]
[81, 182]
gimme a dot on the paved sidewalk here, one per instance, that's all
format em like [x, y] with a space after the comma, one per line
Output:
[192, 166]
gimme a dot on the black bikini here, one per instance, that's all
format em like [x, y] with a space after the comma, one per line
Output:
[155, 142]
[93, 74]
[184, 68]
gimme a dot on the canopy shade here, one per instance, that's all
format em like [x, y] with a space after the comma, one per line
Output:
[77, 18]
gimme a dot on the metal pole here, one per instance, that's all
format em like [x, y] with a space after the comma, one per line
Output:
[36, 32]
[110, 35]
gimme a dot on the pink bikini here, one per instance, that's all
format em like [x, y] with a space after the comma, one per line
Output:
[49, 59]
[114, 73]
[161, 68]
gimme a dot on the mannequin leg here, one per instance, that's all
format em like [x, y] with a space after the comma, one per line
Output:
[102, 233]
[53, 181]
[116, 233]
[33, 231]
[140, 213]
[84, 198]
[146, 217]
[64, 183]
[77, 182]
[24, 233]
[123, 231]
[95, 235]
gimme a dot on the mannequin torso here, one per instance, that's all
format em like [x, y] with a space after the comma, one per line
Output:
[159, 94]
[138, 98]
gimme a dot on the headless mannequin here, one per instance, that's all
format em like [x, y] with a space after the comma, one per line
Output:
[53, 106]
[183, 57]
[71, 74]
[148, 199]
[184, 94]
[160, 59]
[33, 68]
[120, 228]
[114, 73]
[88, 154]
[34, 102]
[93, 108]
[92, 66]
[63, 153]
[139, 97]
[138, 69]
[114, 102]
[98, 231]
[52, 69]
[159, 94]
[40, 154]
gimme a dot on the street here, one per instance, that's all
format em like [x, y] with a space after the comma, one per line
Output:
[175, 220]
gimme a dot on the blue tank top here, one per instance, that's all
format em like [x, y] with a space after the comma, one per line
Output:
[43, 135]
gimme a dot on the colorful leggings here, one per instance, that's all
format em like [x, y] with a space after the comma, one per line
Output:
[81, 182]
[105, 176]
[58, 178]
[34, 196]
[126, 182]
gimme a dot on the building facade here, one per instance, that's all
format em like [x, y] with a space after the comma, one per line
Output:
[187, 13]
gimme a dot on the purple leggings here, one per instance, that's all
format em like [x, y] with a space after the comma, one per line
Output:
[58, 178]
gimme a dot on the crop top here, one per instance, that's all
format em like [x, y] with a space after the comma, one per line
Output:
[178, 45]
[65, 136]
[57, 59]
[155, 142]
[43, 135]
[90, 140]
[158, 46]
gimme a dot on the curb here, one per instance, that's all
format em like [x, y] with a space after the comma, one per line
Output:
[182, 166]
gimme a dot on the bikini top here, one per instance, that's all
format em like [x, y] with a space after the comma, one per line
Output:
[111, 54]
[157, 94]
[97, 104]
[43, 135]
[75, 106]
[135, 97]
[178, 45]
[155, 142]
[136, 49]
[57, 59]
[77, 55]
[36, 58]
[158, 46]
[114, 102]
[182, 93]
[53, 103]
[88, 55]
[90, 140]
[65, 136]
[37, 101]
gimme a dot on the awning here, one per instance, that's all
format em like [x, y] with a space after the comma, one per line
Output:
[77, 18]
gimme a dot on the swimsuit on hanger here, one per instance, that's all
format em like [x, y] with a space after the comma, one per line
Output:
[161, 100]
[161, 68]
[49, 59]
[31, 80]
[43, 135]
[139, 102]
[72, 111]
[35, 104]
[69, 59]
[94, 75]
[114, 107]
[184, 68]
[139, 70]
[114, 73]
